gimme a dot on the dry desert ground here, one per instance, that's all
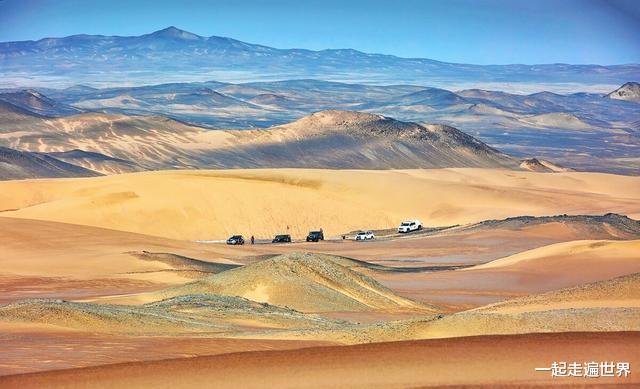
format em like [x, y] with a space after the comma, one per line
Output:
[125, 280]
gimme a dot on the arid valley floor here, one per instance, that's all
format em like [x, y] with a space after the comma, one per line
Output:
[481, 295]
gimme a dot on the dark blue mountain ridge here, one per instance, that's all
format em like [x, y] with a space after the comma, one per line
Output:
[90, 58]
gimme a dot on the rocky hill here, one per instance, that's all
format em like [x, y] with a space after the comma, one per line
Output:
[110, 143]
[16, 164]
[629, 92]
[35, 102]
[608, 226]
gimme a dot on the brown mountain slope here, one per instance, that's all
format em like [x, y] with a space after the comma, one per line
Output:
[542, 166]
[16, 164]
[344, 139]
[35, 102]
[97, 162]
[328, 139]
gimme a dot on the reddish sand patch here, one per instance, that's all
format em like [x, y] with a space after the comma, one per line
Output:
[31, 348]
[485, 360]
[13, 287]
[540, 270]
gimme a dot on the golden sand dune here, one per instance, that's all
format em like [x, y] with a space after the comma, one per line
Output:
[539, 270]
[305, 282]
[215, 204]
[604, 306]
[29, 348]
[209, 314]
[560, 257]
[552, 320]
[43, 259]
[44, 248]
[494, 361]
[473, 323]
[623, 291]
[99, 318]
[192, 267]
[610, 305]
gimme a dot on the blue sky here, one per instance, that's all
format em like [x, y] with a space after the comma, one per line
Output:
[465, 31]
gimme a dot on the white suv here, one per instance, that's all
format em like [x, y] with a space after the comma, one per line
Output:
[365, 235]
[410, 225]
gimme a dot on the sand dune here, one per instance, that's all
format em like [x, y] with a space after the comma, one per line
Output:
[42, 259]
[215, 204]
[207, 314]
[604, 306]
[489, 323]
[30, 348]
[305, 282]
[539, 270]
[623, 291]
[98, 318]
[559, 257]
[42, 248]
[186, 264]
[497, 361]
[609, 305]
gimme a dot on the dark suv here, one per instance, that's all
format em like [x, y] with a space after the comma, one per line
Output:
[315, 236]
[236, 239]
[282, 239]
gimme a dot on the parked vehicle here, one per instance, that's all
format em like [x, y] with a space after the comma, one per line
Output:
[365, 235]
[282, 239]
[235, 240]
[409, 226]
[315, 236]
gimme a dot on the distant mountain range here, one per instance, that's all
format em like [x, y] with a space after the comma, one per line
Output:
[174, 54]
[584, 131]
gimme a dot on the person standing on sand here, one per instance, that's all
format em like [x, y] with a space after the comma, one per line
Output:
[252, 239]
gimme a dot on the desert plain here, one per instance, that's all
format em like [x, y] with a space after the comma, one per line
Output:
[126, 279]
